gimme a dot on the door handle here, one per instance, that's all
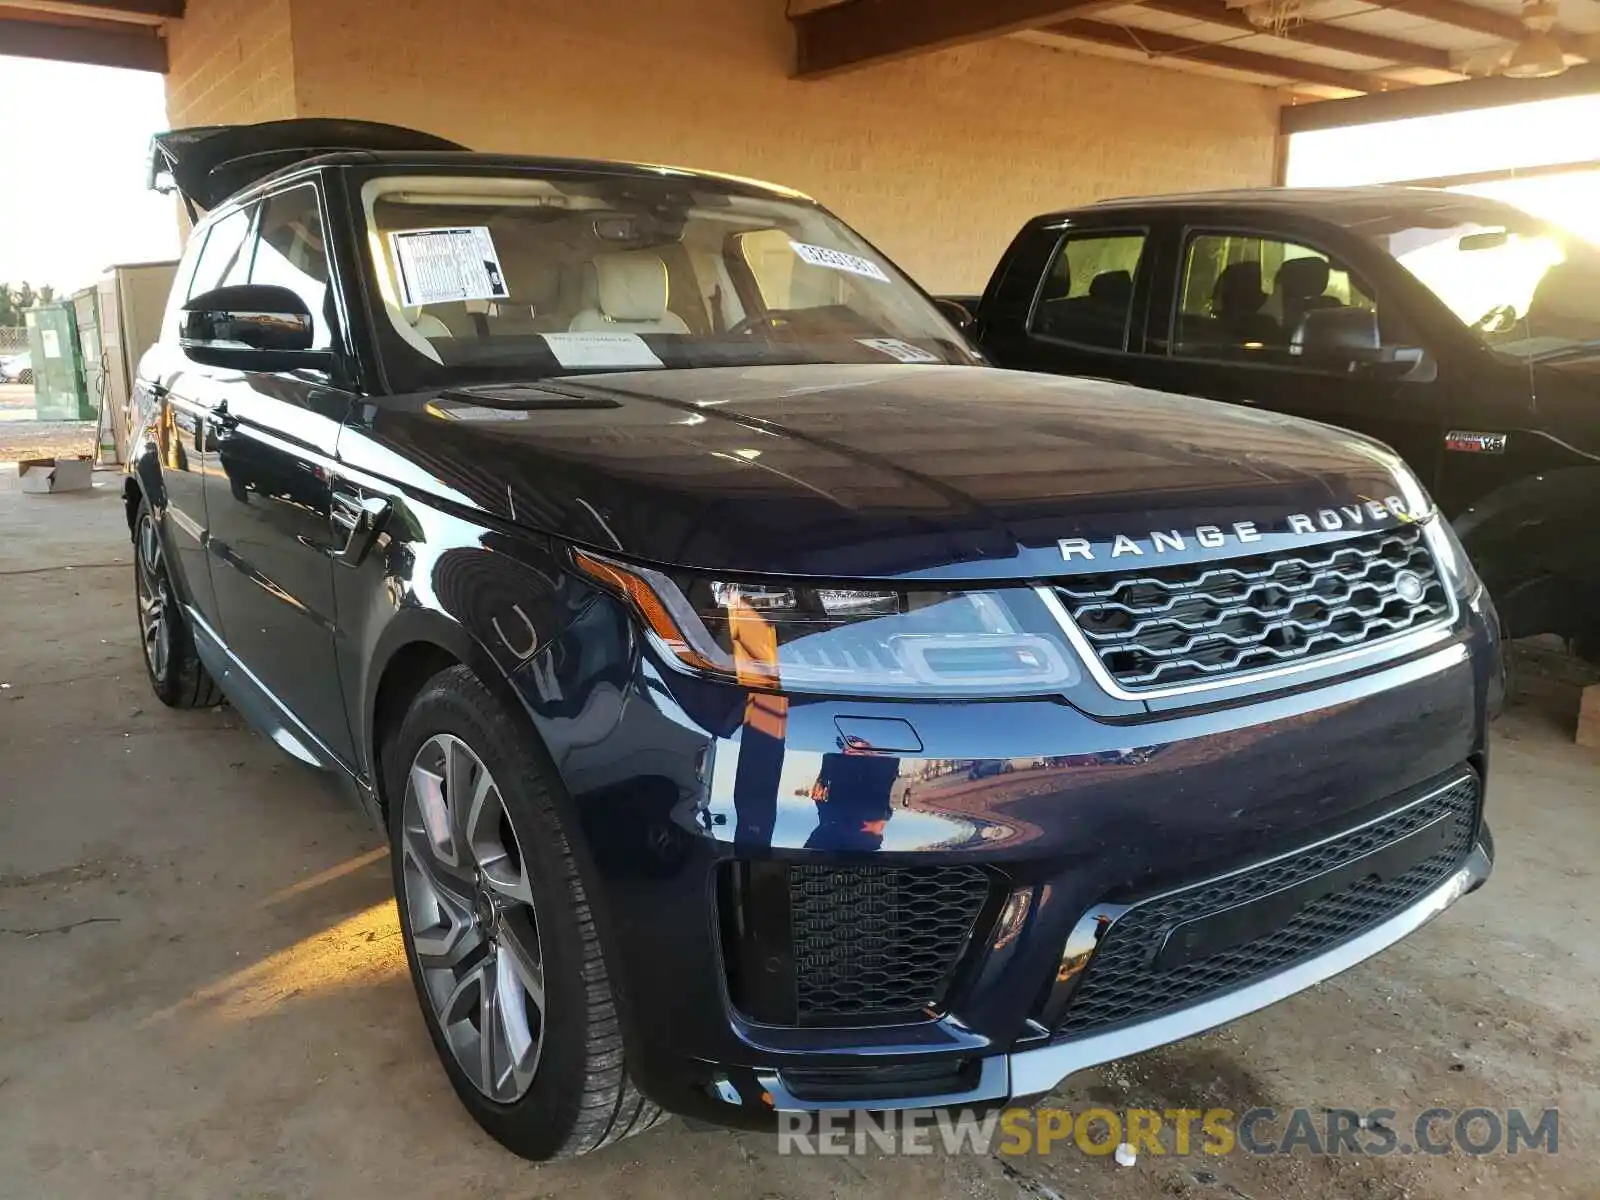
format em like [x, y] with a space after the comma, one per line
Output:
[357, 519]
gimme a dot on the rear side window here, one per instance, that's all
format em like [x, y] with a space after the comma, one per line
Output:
[1087, 297]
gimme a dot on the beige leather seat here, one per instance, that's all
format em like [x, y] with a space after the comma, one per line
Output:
[630, 296]
[426, 324]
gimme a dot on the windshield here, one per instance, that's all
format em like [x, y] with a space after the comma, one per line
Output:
[490, 278]
[1525, 288]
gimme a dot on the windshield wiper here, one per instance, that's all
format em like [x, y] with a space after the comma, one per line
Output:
[1577, 350]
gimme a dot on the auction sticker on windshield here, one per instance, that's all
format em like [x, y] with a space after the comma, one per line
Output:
[440, 265]
[606, 350]
[838, 260]
[895, 348]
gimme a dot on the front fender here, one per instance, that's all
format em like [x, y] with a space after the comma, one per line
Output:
[1534, 544]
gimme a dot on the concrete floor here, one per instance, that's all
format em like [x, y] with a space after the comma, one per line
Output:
[202, 990]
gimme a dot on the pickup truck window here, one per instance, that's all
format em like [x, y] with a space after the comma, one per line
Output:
[1246, 296]
[1528, 290]
[486, 278]
[1087, 296]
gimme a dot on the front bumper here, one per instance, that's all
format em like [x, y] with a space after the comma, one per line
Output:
[1030, 1073]
[674, 780]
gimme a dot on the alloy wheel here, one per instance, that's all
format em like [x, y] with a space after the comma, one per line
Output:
[154, 593]
[469, 910]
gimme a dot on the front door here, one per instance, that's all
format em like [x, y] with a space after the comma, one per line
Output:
[1242, 323]
[269, 500]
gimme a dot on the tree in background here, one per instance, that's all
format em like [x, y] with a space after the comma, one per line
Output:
[14, 300]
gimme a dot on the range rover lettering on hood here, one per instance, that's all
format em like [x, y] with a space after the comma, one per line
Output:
[1364, 514]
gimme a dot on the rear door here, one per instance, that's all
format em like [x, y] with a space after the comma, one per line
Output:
[180, 393]
[270, 498]
[1086, 314]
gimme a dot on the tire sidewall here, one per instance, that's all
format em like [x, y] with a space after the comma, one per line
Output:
[538, 1124]
[165, 686]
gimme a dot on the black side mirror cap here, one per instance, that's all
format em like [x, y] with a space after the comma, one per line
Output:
[251, 327]
[957, 313]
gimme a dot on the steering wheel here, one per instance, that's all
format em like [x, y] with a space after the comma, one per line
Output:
[772, 318]
[1497, 320]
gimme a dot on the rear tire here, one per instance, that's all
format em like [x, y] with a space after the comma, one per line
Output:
[486, 883]
[177, 676]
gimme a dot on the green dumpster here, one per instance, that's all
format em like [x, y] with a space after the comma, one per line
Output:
[59, 393]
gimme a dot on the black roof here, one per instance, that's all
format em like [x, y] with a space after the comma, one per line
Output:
[1350, 207]
[210, 164]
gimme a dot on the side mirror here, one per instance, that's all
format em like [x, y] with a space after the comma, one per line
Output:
[252, 327]
[957, 313]
[1347, 339]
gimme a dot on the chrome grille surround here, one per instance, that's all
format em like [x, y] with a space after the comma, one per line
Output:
[1148, 632]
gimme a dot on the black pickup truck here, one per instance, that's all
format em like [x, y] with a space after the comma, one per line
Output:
[1461, 331]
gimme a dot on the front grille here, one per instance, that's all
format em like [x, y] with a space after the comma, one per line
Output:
[1124, 981]
[879, 941]
[1162, 626]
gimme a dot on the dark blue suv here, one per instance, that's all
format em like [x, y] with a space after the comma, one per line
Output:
[745, 676]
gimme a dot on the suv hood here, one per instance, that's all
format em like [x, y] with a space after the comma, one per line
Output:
[881, 471]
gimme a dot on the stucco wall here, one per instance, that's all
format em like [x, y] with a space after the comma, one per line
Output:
[937, 159]
[230, 61]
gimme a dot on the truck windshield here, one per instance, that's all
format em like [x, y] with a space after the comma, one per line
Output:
[499, 277]
[1525, 288]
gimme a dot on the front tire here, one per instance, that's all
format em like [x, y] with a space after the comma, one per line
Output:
[502, 946]
[177, 676]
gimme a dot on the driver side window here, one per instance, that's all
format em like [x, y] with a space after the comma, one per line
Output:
[1251, 298]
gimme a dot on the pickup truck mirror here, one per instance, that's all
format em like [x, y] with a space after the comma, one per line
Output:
[1348, 339]
[957, 313]
[251, 327]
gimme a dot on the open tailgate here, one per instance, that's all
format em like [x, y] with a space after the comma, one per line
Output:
[208, 163]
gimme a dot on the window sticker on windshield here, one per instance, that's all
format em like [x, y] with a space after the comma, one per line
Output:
[609, 350]
[440, 265]
[895, 348]
[838, 260]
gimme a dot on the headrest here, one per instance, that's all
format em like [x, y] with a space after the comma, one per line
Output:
[1112, 287]
[1303, 278]
[631, 285]
[1238, 289]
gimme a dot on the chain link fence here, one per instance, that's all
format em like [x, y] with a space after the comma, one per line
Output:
[13, 339]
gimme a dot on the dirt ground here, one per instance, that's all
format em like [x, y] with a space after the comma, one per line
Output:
[202, 989]
[23, 437]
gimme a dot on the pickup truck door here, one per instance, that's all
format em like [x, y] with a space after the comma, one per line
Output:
[273, 537]
[1223, 323]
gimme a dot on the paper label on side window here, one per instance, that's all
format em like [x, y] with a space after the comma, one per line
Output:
[52, 343]
[611, 350]
[895, 348]
[838, 260]
[439, 265]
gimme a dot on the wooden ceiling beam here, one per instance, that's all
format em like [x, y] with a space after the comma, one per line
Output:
[1168, 46]
[861, 33]
[103, 43]
[1493, 92]
[1311, 33]
[146, 12]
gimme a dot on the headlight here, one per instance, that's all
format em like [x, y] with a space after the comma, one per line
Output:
[825, 638]
[1452, 558]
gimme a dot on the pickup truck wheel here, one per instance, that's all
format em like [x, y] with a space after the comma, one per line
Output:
[502, 946]
[177, 676]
